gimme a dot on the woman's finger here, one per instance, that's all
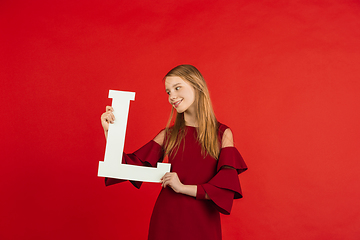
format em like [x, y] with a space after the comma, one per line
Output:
[109, 117]
[109, 108]
[112, 117]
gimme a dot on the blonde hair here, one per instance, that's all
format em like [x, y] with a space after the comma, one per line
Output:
[207, 131]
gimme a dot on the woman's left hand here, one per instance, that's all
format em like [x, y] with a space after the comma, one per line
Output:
[172, 180]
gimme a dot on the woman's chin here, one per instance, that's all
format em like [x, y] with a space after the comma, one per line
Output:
[179, 110]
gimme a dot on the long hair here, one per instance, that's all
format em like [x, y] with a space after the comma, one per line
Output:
[207, 124]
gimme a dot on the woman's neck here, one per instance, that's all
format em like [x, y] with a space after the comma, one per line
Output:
[190, 120]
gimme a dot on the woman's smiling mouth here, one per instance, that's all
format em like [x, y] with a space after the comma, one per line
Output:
[176, 104]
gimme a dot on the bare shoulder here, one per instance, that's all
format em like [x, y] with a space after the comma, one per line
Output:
[227, 139]
[159, 139]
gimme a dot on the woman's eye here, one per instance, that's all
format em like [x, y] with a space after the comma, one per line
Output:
[177, 88]
[168, 93]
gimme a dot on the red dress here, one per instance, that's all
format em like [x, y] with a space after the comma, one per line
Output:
[178, 216]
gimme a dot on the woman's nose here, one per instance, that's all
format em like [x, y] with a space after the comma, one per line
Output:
[172, 95]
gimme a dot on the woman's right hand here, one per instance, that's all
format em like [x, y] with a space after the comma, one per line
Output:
[107, 118]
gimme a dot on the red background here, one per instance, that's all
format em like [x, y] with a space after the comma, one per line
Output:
[284, 75]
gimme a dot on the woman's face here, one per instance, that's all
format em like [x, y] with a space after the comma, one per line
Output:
[181, 94]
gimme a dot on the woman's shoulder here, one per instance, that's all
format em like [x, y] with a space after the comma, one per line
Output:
[225, 135]
[159, 138]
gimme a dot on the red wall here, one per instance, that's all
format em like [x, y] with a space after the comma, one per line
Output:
[284, 76]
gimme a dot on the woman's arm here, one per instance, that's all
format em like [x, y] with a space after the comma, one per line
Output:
[172, 180]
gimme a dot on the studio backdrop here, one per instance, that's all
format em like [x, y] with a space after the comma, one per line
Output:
[283, 75]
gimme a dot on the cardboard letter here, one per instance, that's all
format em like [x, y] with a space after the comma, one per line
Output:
[112, 165]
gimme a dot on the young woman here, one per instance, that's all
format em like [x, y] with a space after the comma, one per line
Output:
[204, 163]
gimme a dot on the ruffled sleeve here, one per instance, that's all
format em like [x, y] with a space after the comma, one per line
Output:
[225, 185]
[148, 155]
[230, 156]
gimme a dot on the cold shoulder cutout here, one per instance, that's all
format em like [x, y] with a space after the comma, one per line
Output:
[227, 139]
[159, 138]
